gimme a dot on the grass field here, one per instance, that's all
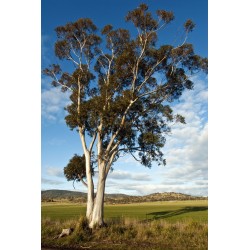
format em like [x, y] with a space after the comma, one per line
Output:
[152, 225]
[170, 211]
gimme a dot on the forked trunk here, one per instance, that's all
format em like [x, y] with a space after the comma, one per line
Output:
[98, 210]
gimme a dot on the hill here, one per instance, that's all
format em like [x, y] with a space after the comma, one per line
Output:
[74, 196]
[62, 194]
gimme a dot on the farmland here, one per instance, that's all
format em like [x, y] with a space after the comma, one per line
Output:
[150, 225]
[171, 211]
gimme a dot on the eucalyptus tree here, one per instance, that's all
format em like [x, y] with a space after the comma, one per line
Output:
[121, 90]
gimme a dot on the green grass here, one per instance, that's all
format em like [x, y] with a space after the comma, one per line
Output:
[171, 211]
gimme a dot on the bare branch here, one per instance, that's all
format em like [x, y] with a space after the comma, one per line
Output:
[106, 72]
[63, 85]
[74, 51]
[150, 74]
[185, 39]
[77, 39]
[150, 92]
[99, 143]
[135, 70]
[133, 149]
[115, 147]
[110, 162]
[121, 124]
[71, 58]
[83, 182]
[104, 55]
[134, 156]
[92, 142]
[82, 137]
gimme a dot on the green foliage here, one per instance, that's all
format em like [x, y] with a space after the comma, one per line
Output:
[76, 169]
[116, 92]
[189, 25]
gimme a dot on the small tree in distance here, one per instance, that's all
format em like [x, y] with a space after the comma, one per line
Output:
[121, 88]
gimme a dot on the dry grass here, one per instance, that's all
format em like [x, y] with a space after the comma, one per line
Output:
[127, 233]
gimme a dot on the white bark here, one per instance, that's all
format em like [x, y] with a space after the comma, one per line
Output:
[98, 210]
[90, 195]
[90, 183]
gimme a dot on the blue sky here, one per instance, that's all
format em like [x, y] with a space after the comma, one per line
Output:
[186, 148]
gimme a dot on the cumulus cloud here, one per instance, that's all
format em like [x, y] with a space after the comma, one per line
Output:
[123, 175]
[54, 171]
[199, 189]
[186, 152]
[53, 103]
[187, 149]
[127, 160]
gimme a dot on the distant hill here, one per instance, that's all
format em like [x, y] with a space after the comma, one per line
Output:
[73, 196]
[62, 194]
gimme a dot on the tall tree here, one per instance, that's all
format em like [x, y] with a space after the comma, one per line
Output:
[121, 90]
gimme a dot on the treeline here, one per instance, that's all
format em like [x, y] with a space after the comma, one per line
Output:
[79, 197]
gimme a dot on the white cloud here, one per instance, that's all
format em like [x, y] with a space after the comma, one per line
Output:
[51, 182]
[47, 47]
[186, 152]
[54, 171]
[124, 175]
[187, 149]
[53, 103]
[199, 189]
[127, 160]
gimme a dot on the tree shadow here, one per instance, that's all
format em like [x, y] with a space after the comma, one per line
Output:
[171, 213]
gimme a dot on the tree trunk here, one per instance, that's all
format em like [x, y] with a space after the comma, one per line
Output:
[90, 195]
[98, 210]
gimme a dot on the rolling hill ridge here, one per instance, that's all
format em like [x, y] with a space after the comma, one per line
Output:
[74, 196]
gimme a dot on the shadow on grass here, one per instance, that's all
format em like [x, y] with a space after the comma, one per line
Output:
[167, 214]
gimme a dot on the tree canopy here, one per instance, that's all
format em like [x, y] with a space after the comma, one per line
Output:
[126, 89]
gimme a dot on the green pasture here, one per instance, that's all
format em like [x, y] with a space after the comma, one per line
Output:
[172, 211]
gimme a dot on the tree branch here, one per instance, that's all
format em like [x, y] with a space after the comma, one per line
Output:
[110, 162]
[121, 124]
[63, 85]
[92, 143]
[99, 144]
[151, 92]
[71, 58]
[134, 156]
[135, 71]
[83, 182]
[82, 137]
[134, 148]
[150, 74]
[104, 55]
